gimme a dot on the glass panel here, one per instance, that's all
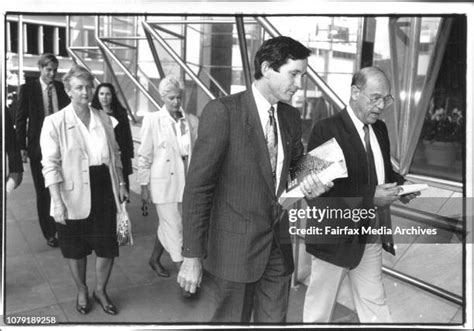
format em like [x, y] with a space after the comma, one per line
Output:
[31, 39]
[82, 31]
[62, 42]
[442, 143]
[48, 39]
[405, 49]
[13, 37]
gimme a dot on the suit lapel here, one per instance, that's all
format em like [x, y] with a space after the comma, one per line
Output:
[255, 132]
[38, 96]
[284, 134]
[354, 138]
[383, 148]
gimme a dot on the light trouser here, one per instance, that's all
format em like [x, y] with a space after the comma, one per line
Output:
[366, 288]
[170, 229]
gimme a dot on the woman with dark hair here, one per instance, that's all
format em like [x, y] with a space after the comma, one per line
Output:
[106, 99]
[83, 171]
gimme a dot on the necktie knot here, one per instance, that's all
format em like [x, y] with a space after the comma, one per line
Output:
[271, 114]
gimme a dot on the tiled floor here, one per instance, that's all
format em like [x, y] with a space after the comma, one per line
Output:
[38, 281]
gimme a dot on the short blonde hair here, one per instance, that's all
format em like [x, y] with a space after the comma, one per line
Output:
[169, 83]
[77, 71]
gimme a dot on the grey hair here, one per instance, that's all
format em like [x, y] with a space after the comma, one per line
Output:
[360, 77]
[77, 71]
[169, 83]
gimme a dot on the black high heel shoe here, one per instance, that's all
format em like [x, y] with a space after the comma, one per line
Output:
[108, 307]
[83, 309]
[159, 269]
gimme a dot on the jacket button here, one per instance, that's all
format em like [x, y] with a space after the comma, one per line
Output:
[172, 173]
[167, 160]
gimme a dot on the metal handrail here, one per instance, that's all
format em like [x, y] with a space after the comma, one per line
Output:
[178, 59]
[104, 48]
[433, 289]
[434, 220]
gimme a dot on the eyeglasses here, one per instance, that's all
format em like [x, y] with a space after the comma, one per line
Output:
[145, 209]
[387, 100]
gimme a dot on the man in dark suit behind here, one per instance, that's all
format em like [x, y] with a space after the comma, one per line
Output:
[371, 185]
[232, 221]
[39, 98]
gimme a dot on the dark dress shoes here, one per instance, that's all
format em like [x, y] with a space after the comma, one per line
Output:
[83, 309]
[159, 269]
[107, 306]
[52, 242]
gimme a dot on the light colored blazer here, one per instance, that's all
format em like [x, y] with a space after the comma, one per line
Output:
[159, 159]
[65, 160]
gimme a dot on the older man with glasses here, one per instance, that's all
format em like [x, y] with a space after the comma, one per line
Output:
[354, 204]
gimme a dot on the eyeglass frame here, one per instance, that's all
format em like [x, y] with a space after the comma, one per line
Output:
[376, 100]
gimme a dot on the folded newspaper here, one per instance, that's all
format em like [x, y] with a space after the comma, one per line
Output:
[326, 161]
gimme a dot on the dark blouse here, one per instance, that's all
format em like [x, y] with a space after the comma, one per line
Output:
[123, 135]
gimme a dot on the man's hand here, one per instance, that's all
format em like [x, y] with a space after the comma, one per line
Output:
[24, 156]
[312, 187]
[386, 194]
[406, 198]
[190, 274]
[17, 178]
[60, 212]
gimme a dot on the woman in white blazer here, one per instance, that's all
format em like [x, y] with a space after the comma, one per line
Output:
[167, 139]
[83, 171]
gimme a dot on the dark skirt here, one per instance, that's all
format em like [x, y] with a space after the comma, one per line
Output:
[78, 238]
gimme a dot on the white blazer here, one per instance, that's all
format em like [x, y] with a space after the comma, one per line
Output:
[65, 160]
[159, 159]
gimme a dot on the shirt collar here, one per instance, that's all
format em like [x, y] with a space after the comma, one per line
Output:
[357, 122]
[44, 86]
[94, 122]
[168, 115]
[262, 104]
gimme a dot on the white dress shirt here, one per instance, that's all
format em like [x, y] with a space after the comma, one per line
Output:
[183, 137]
[95, 140]
[263, 106]
[374, 143]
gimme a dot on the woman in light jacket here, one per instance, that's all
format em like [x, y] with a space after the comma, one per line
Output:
[82, 168]
[167, 139]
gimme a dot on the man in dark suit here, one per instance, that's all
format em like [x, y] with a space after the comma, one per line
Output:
[232, 221]
[39, 98]
[367, 192]
[15, 166]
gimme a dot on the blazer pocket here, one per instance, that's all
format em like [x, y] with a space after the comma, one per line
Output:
[67, 185]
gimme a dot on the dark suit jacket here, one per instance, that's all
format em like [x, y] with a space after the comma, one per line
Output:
[348, 193]
[230, 209]
[11, 147]
[30, 115]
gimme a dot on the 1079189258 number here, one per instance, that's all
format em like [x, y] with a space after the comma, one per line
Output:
[30, 320]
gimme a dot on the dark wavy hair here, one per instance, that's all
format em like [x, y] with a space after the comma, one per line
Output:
[115, 104]
[277, 51]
